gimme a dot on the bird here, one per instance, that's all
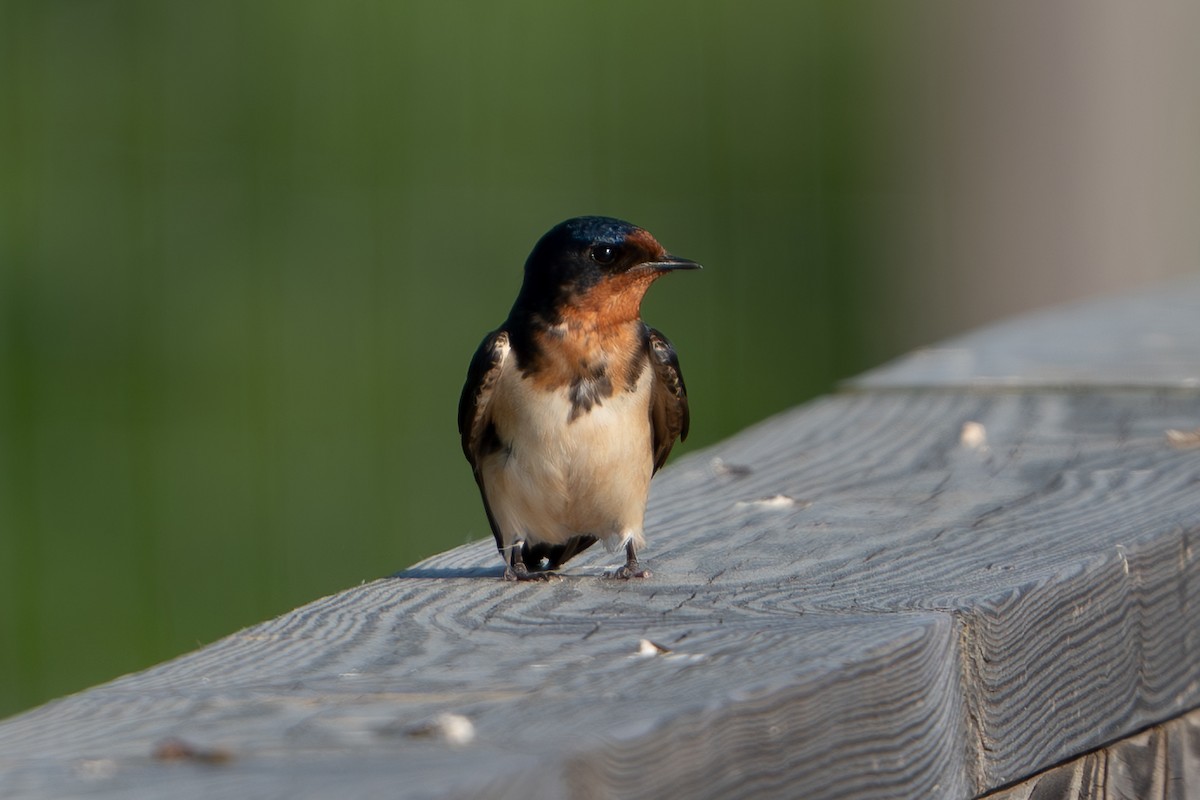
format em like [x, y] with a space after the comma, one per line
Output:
[574, 403]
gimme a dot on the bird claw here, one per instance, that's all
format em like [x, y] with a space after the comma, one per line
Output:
[632, 569]
[522, 573]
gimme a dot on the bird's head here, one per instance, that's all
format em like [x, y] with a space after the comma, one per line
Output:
[594, 265]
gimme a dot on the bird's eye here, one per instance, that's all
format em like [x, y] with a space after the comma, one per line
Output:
[604, 254]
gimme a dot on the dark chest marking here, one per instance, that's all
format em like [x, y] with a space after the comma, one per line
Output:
[589, 390]
[592, 363]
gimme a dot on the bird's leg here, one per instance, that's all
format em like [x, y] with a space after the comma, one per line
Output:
[632, 568]
[516, 570]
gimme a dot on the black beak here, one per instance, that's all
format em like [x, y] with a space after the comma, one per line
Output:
[669, 262]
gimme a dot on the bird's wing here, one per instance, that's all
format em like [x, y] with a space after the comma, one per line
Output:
[668, 398]
[474, 417]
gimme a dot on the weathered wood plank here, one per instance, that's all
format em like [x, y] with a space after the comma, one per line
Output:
[914, 596]
[554, 714]
[858, 601]
[1145, 339]
[1162, 763]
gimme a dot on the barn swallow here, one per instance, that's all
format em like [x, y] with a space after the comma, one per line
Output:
[573, 404]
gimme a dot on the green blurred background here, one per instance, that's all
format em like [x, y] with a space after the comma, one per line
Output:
[247, 249]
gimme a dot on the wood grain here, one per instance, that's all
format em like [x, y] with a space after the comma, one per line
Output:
[1162, 763]
[855, 600]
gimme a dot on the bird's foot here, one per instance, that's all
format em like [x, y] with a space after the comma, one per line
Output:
[519, 572]
[632, 569]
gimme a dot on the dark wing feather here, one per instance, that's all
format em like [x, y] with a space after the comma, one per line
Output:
[668, 397]
[474, 419]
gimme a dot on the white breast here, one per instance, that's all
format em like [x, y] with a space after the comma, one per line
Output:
[560, 478]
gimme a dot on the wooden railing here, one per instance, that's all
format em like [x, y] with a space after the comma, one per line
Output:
[962, 572]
